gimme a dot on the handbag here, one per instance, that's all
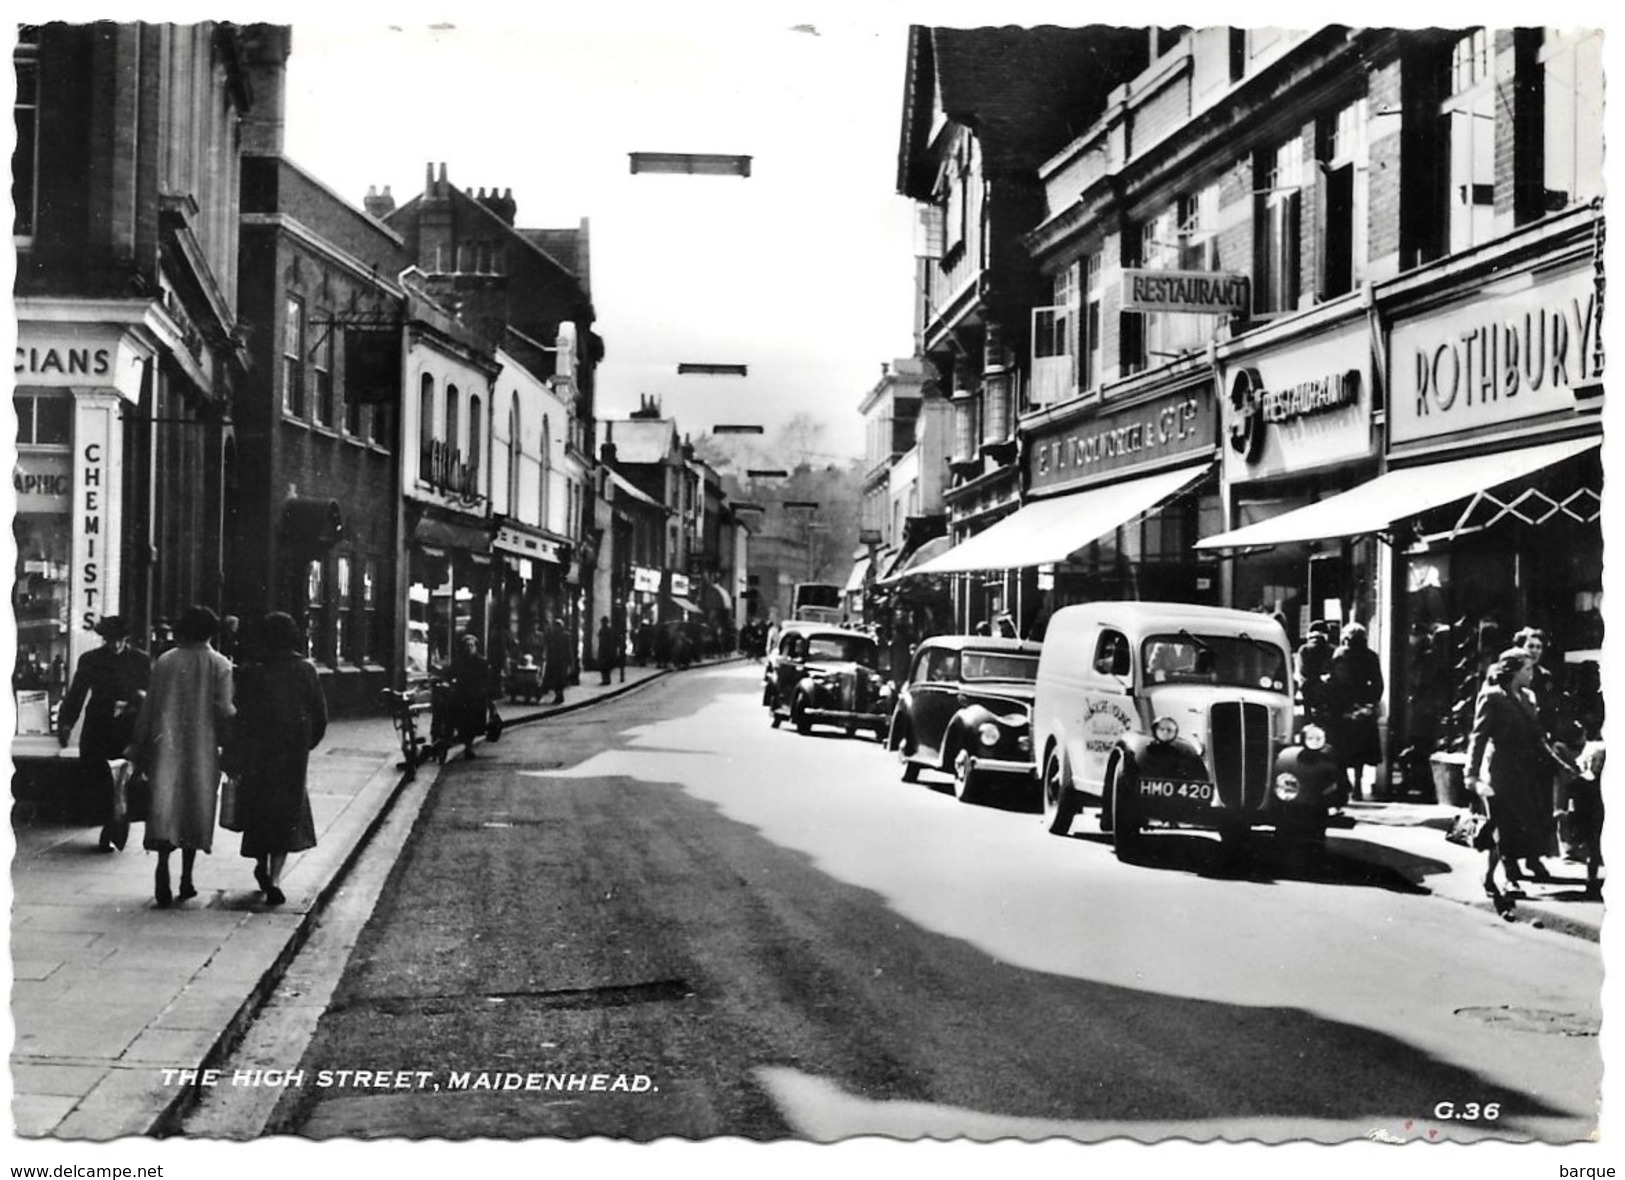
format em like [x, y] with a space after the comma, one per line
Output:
[231, 803]
[493, 725]
[1472, 830]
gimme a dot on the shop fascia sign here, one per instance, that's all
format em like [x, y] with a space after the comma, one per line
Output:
[1181, 423]
[1199, 292]
[59, 355]
[43, 481]
[1514, 350]
[525, 545]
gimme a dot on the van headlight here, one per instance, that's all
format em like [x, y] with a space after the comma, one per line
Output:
[1165, 729]
[988, 733]
[1286, 786]
[1314, 737]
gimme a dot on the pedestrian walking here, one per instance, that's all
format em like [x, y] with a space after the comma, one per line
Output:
[1313, 664]
[1510, 768]
[178, 732]
[556, 657]
[608, 652]
[1353, 691]
[468, 704]
[108, 687]
[281, 716]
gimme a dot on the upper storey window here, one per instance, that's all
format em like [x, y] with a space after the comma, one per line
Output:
[1277, 224]
[1468, 115]
[1571, 65]
[25, 112]
[1341, 153]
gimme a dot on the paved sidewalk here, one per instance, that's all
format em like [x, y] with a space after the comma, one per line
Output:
[109, 991]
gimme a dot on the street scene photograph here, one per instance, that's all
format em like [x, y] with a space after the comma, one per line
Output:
[633, 586]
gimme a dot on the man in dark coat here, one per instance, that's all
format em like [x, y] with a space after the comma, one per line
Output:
[1314, 662]
[113, 679]
[556, 656]
[608, 653]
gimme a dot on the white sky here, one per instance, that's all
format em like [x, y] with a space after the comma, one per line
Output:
[803, 271]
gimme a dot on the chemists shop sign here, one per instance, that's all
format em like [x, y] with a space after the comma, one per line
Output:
[1516, 350]
[1136, 436]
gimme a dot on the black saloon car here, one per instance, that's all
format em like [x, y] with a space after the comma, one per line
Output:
[966, 710]
[822, 675]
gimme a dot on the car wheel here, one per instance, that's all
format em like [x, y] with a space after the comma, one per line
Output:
[967, 781]
[1126, 821]
[1060, 804]
[798, 715]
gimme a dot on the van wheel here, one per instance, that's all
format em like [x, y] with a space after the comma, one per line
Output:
[1060, 804]
[967, 782]
[1126, 821]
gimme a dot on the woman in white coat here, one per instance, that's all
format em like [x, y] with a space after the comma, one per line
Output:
[178, 735]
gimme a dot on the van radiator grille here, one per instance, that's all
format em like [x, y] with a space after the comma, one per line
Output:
[1240, 735]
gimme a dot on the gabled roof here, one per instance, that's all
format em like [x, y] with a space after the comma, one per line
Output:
[642, 440]
[1025, 93]
[567, 247]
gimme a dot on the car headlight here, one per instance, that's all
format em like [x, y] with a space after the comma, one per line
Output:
[988, 733]
[1313, 737]
[1286, 786]
[1165, 729]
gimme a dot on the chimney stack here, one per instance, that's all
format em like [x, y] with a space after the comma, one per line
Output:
[265, 50]
[379, 205]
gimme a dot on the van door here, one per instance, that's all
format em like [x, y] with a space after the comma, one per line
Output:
[1108, 706]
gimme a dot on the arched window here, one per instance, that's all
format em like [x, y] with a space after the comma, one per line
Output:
[452, 414]
[513, 456]
[474, 447]
[425, 416]
[547, 471]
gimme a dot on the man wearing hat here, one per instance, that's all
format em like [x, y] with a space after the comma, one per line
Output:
[108, 686]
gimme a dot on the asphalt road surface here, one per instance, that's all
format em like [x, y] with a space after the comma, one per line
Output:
[661, 917]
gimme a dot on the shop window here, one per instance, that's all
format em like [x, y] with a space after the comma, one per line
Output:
[293, 357]
[1468, 121]
[1277, 226]
[322, 372]
[43, 421]
[371, 642]
[1341, 153]
[316, 609]
[342, 633]
[25, 115]
[1571, 64]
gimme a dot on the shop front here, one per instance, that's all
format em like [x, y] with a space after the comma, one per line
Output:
[1490, 505]
[532, 587]
[451, 585]
[73, 382]
[1115, 497]
[1298, 429]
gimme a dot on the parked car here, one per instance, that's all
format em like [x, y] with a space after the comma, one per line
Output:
[822, 675]
[1178, 714]
[966, 710]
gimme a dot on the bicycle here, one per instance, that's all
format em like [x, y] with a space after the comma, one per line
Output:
[405, 707]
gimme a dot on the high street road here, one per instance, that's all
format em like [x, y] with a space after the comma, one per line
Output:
[660, 917]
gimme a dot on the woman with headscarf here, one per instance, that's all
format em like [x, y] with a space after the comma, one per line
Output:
[178, 735]
[1510, 767]
[468, 680]
[108, 687]
[281, 716]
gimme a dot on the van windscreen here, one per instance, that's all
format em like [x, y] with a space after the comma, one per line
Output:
[1238, 661]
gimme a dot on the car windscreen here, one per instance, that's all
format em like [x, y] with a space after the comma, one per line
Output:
[1236, 661]
[828, 649]
[998, 665]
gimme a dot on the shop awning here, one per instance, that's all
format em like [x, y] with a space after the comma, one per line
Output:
[687, 606]
[1051, 530]
[444, 534]
[312, 521]
[860, 570]
[1377, 504]
[718, 598]
[910, 560]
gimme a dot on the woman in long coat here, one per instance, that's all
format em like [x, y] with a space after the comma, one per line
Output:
[557, 652]
[1353, 691]
[178, 735]
[108, 687]
[281, 716]
[1510, 766]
